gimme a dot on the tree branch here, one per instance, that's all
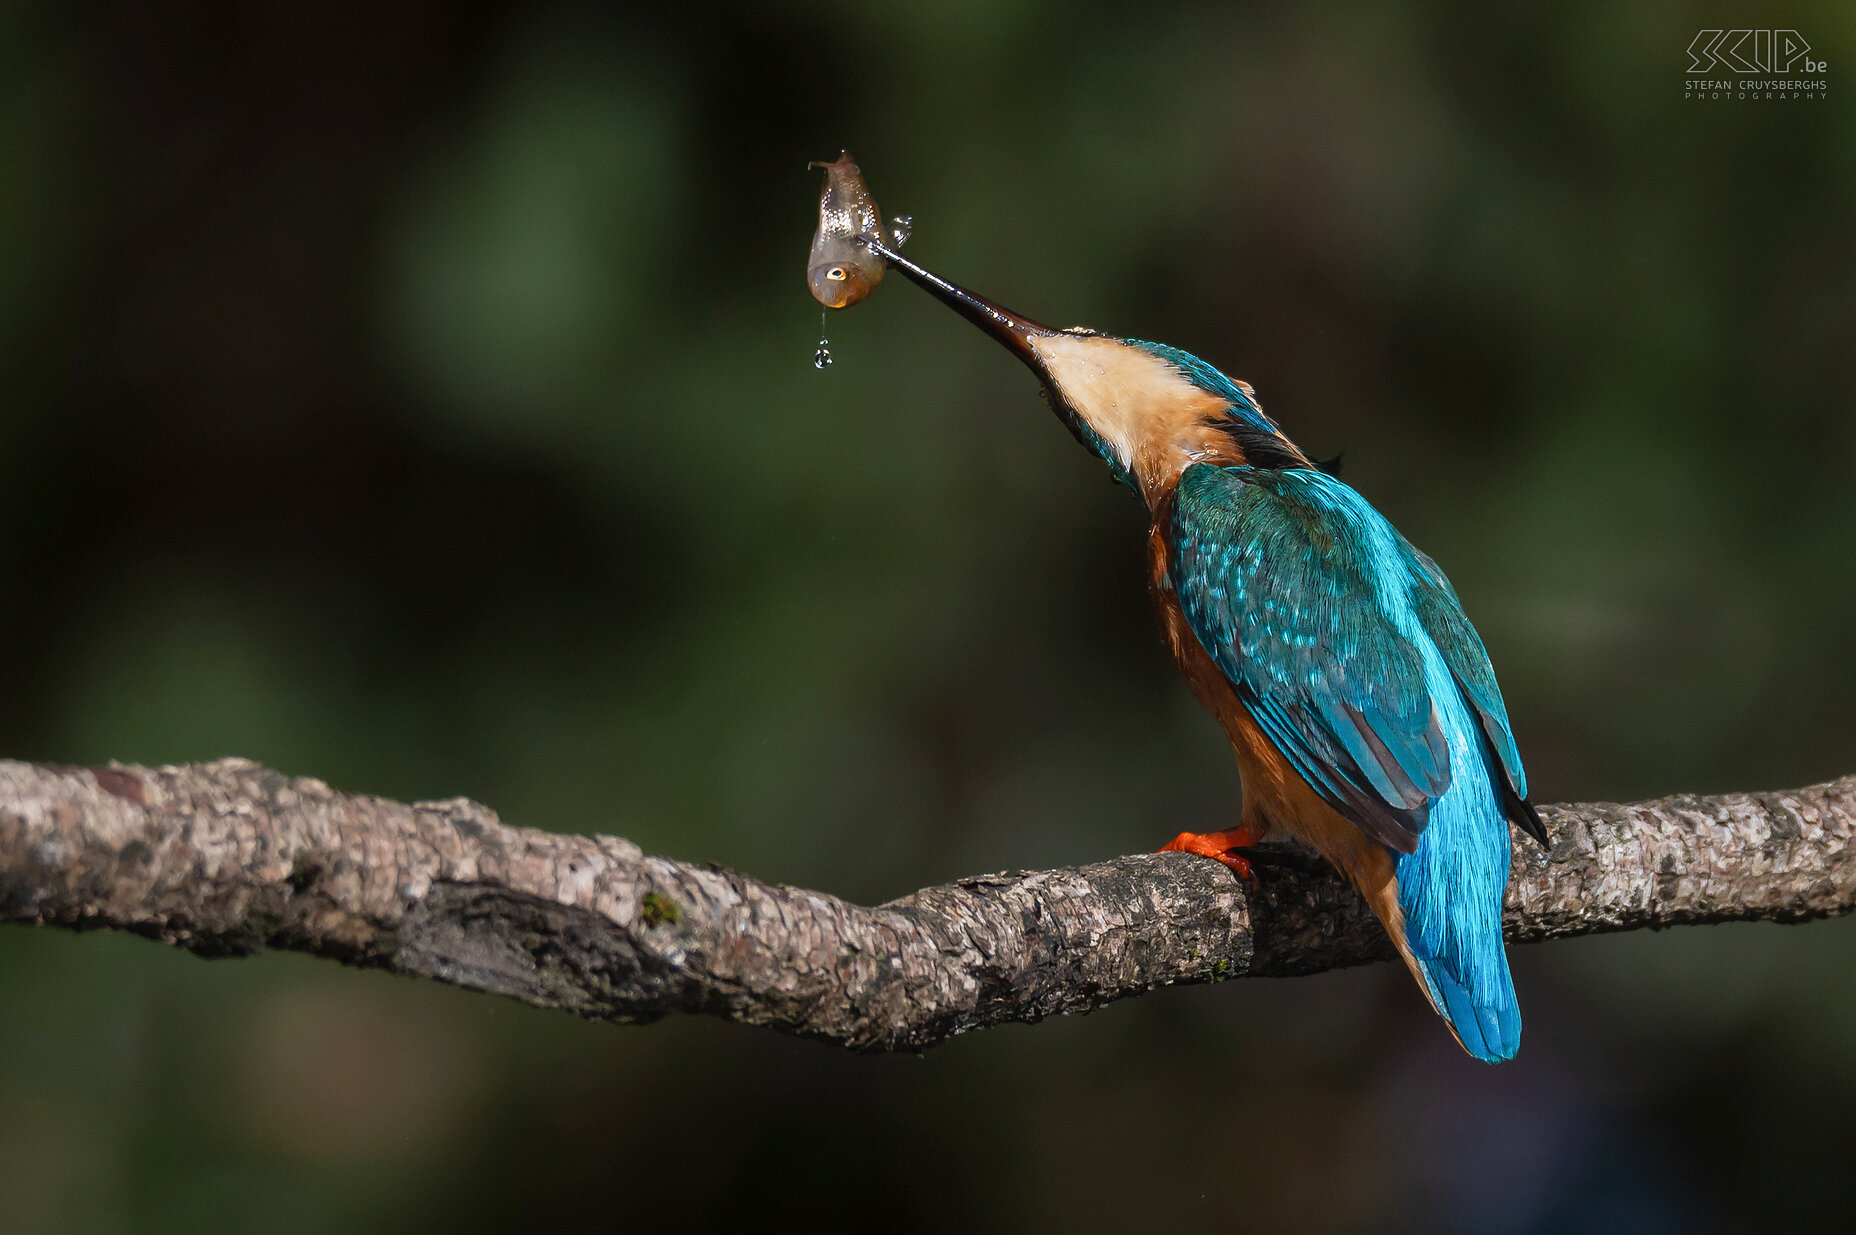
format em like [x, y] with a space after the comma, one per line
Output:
[228, 858]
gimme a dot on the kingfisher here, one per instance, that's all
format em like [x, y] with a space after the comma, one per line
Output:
[1358, 699]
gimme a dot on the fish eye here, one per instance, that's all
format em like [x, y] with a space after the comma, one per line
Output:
[837, 274]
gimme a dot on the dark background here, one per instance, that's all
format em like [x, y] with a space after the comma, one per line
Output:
[420, 396]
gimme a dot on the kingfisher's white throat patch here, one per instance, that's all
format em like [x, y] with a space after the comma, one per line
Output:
[1153, 419]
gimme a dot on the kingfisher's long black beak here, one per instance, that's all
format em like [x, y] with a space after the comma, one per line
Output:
[1002, 324]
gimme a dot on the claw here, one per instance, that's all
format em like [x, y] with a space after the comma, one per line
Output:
[1218, 847]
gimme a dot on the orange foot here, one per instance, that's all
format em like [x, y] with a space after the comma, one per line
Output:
[1218, 845]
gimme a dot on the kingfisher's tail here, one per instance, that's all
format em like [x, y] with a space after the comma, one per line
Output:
[1450, 897]
[1488, 1023]
[1456, 956]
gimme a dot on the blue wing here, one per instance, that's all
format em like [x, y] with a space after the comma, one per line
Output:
[1300, 592]
[1348, 648]
[1441, 615]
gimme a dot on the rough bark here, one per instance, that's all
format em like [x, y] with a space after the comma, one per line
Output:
[229, 858]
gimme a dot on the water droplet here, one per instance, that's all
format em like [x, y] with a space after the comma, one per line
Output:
[899, 229]
[821, 359]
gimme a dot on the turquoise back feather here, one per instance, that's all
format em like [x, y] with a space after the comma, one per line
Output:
[1349, 649]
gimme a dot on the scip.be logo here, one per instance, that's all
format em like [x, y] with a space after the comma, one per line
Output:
[1752, 51]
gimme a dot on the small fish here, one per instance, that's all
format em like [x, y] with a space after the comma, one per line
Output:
[841, 271]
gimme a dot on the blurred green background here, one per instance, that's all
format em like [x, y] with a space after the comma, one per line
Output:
[420, 396]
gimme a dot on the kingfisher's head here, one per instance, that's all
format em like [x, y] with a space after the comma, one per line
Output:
[1147, 410]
